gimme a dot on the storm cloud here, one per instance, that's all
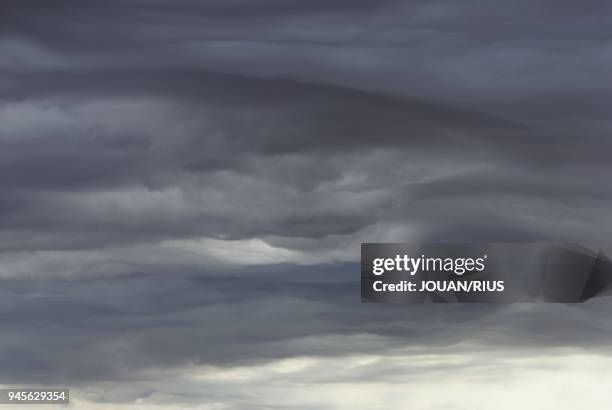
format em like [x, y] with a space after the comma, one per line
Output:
[184, 186]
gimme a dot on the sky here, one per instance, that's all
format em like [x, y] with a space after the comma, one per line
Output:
[184, 186]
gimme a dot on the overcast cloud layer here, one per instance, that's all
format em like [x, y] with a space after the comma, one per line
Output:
[184, 186]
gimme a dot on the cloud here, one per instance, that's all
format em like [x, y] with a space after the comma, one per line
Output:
[109, 328]
[184, 187]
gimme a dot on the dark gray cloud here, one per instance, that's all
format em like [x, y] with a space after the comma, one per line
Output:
[92, 330]
[275, 141]
[133, 132]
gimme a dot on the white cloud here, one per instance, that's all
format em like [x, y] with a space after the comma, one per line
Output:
[426, 379]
